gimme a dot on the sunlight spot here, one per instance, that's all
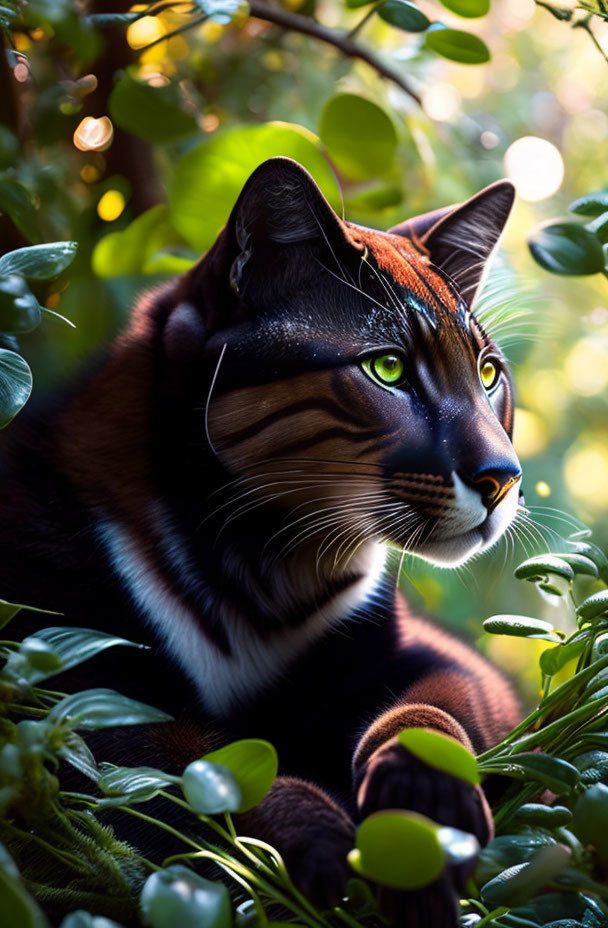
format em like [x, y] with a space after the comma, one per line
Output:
[586, 472]
[441, 101]
[94, 134]
[535, 166]
[587, 367]
[543, 489]
[530, 434]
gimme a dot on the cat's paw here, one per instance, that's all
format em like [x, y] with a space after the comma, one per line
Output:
[393, 778]
[312, 834]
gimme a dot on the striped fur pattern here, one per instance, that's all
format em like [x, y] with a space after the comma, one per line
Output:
[224, 486]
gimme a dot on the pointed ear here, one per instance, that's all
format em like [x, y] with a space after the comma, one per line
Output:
[280, 217]
[460, 240]
[279, 232]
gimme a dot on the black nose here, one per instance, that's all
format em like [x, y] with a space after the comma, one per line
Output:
[493, 482]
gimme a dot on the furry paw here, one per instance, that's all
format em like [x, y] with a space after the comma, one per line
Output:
[393, 778]
[312, 834]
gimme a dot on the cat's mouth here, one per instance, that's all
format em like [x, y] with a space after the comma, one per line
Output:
[465, 531]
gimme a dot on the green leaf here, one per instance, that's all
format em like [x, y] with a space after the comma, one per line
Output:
[9, 10]
[457, 46]
[155, 114]
[567, 248]
[355, 4]
[253, 763]
[591, 204]
[15, 385]
[208, 180]
[358, 155]
[591, 819]
[596, 555]
[17, 203]
[594, 606]
[9, 148]
[580, 564]
[552, 574]
[522, 626]
[19, 309]
[176, 897]
[468, 8]
[39, 262]
[210, 788]
[69, 647]
[507, 850]
[17, 908]
[535, 813]
[398, 849]
[440, 751]
[373, 197]
[103, 708]
[593, 765]
[553, 659]
[132, 784]
[127, 251]
[76, 752]
[599, 227]
[403, 15]
[517, 884]
[556, 774]
[167, 262]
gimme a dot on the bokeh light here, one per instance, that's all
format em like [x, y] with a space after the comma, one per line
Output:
[535, 166]
[111, 205]
[586, 472]
[94, 134]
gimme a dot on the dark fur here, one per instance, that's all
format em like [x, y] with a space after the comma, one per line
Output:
[134, 432]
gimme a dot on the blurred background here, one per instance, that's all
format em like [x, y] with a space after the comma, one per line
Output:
[133, 133]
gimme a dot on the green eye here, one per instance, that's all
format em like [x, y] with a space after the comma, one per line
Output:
[488, 374]
[387, 369]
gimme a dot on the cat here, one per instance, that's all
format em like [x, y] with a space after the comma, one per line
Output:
[223, 486]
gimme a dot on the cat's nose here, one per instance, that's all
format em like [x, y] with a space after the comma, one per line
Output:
[493, 482]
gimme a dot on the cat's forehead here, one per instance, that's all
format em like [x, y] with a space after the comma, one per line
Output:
[410, 268]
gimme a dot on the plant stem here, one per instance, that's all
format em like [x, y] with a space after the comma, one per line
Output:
[295, 22]
[491, 916]
[359, 26]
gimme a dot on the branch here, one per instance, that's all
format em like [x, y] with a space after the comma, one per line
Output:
[295, 22]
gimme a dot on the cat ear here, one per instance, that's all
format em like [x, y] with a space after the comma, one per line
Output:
[461, 239]
[279, 217]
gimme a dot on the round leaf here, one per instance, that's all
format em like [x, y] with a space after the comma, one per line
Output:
[398, 849]
[458, 46]
[553, 772]
[517, 884]
[522, 626]
[553, 659]
[155, 114]
[211, 788]
[591, 204]
[209, 178]
[594, 606]
[580, 564]
[359, 136]
[537, 568]
[253, 763]
[591, 819]
[176, 896]
[535, 813]
[140, 783]
[442, 752]
[468, 8]
[403, 15]
[19, 309]
[567, 248]
[15, 385]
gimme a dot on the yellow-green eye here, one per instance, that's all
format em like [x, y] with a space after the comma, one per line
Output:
[387, 368]
[488, 374]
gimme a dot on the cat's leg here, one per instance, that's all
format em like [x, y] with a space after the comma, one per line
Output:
[310, 831]
[460, 694]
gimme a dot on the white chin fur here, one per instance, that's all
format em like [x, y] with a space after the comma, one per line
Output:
[454, 550]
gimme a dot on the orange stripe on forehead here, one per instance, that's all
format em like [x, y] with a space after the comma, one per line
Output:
[407, 266]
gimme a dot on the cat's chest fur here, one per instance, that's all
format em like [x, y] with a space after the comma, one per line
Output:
[225, 677]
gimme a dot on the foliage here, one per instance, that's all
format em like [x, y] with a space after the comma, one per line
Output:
[546, 863]
[572, 248]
